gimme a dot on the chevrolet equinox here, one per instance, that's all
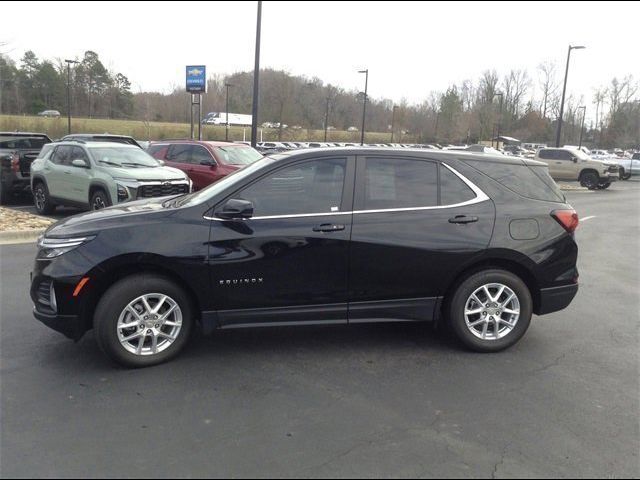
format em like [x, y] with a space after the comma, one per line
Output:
[325, 236]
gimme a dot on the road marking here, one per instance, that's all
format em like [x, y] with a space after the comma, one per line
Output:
[587, 218]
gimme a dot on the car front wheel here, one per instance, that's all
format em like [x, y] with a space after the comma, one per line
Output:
[143, 320]
[99, 200]
[490, 310]
[589, 180]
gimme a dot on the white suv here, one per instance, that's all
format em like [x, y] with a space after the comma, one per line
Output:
[573, 164]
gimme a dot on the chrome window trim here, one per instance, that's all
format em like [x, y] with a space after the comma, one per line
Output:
[480, 197]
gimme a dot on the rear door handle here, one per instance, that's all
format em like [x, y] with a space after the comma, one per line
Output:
[463, 219]
[328, 227]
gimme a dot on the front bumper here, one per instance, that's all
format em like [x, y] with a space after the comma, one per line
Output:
[556, 298]
[69, 325]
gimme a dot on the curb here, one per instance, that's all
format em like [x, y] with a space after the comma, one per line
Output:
[10, 237]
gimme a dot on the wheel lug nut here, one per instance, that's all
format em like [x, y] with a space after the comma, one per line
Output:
[149, 332]
[484, 314]
[157, 325]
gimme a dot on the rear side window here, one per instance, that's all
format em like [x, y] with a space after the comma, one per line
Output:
[452, 189]
[158, 151]
[396, 183]
[528, 181]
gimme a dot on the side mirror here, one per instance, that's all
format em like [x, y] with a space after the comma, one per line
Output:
[207, 163]
[161, 162]
[79, 163]
[235, 209]
[574, 159]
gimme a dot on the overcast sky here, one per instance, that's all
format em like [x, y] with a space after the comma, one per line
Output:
[410, 48]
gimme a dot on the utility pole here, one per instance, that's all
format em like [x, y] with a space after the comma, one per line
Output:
[584, 113]
[564, 91]
[256, 81]
[69, 62]
[393, 121]
[364, 105]
[326, 119]
[226, 133]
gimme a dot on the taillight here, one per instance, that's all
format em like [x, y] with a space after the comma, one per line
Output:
[567, 218]
[15, 163]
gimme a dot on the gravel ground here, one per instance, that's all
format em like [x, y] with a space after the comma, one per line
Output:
[15, 220]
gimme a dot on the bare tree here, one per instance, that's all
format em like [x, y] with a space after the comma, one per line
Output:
[548, 84]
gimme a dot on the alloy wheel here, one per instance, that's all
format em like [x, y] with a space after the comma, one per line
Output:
[149, 324]
[492, 311]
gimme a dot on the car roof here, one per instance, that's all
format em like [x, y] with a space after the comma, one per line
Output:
[96, 144]
[211, 143]
[440, 155]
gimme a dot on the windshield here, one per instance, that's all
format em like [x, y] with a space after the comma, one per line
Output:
[581, 155]
[214, 189]
[124, 157]
[238, 155]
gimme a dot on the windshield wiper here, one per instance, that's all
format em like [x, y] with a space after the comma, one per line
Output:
[131, 164]
[110, 163]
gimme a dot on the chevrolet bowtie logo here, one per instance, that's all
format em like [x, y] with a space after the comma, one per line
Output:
[241, 281]
[194, 72]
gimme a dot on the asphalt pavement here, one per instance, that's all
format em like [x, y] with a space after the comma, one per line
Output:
[396, 400]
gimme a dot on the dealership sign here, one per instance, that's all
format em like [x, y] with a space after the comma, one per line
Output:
[196, 79]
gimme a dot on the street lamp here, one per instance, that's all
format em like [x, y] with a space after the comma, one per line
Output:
[501, 95]
[226, 132]
[564, 91]
[584, 113]
[393, 121]
[364, 105]
[256, 80]
[69, 62]
[326, 119]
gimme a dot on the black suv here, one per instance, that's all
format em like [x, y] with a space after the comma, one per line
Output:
[331, 236]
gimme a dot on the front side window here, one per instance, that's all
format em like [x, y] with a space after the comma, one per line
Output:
[200, 154]
[309, 187]
[78, 153]
[62, 155]
[180, 153]
[395, 183]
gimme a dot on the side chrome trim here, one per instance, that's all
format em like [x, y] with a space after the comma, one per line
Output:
[480, 197]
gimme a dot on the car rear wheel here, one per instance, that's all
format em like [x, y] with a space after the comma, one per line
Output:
[490, 310]
[589, 180]
[99, 200]
[624, 175]
[143, 320]
[42, 200]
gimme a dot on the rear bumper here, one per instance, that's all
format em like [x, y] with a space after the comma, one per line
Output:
[556, 298]
[69, 325]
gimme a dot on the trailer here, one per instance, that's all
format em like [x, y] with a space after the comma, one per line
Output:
[220, 118]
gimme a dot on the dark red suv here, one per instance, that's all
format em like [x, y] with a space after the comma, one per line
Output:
[204, 162]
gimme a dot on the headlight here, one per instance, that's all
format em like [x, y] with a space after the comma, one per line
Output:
[54, 247]
[123, 193]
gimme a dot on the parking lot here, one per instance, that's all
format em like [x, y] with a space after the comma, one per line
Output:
[394, 400]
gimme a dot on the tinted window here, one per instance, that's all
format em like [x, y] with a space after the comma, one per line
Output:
[78, 153]
[62, 155]
[157, 151]
[310, 187]
[531, 182]
[395, 183]
[547, 154]
[564, 155]
[200, 154]
[452, 189]
[180, 153]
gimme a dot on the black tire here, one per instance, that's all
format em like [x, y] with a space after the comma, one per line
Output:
[455, 308]
[589, 180]
[624, 175]
[116, 299]
[4, 195]
[42, 200]
[604, 186]
[99, 200]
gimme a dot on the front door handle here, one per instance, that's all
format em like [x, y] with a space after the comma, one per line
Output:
[463, 219]
[328, 227]
[67, 173]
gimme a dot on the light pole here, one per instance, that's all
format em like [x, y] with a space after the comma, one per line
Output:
[226, 132]
[256, 81]
[584, 113]
[564, 91]
[393, 121]
[326, 119]
[364, 105]
[499, 94]
[69, 62]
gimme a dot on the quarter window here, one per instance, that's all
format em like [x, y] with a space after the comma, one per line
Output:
[310, 187]
[395, 183]
[452, 189]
